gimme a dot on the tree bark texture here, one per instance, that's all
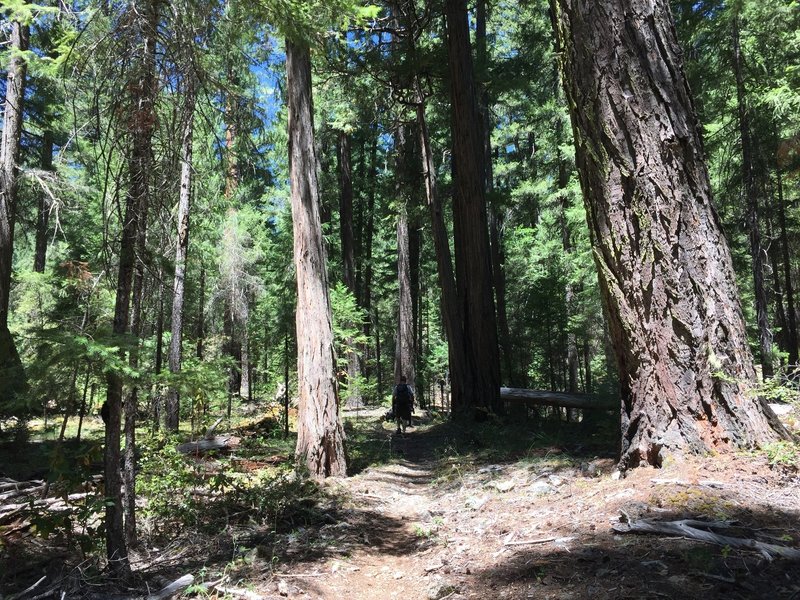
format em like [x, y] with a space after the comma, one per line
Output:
[172, 413]
[753, 208]
[664, 267]
[320, 436]
[404, 357]
[12, 380]
[470, 227]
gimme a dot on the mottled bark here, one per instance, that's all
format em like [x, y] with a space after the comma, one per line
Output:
[404, 359]
[404, 364]
[12, 377]
[320, 436]
[172, 412]
[664, 267]
[470, 228]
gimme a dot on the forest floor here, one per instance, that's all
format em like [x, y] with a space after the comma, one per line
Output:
[484, 512]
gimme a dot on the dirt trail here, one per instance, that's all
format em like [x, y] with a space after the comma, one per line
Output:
[426, 527]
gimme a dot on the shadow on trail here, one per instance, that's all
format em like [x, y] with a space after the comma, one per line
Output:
[610, 566]
[434, 443]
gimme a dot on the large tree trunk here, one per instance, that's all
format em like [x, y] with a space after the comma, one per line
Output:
[12, 378]
[664, 266]
[172, 413]
[404, 360]
[320, 436]
[470, 228]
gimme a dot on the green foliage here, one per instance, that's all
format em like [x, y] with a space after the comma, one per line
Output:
[783, 453]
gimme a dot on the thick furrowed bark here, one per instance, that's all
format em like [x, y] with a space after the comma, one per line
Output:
[664, 266]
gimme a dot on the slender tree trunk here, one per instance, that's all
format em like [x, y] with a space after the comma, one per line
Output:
[141, 123]
[791, 318]
[470, 228]
[201, 332]
[320, 436]
[664, 267]
[82, 411]
[495, 217]
[453, 323]
[12, 377]
[232, 325]
[43, 211]
[156, 399]
[286, 385]
[753, 209]
[366, 293]
[347, 238]
[172, 413]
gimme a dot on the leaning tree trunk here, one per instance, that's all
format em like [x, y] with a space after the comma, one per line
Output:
[172, 413]
[470, 227]
[320, 436]
[664, 267]
[12, 379]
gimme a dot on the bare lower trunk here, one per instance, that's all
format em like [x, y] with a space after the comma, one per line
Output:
[347, 238]
[664, 266]
[141, 122]
[320, 436]
[12, 378]
[172, 413]
[43, 211]
[791, 317]
[404, 364]
[470, 228]
[453, 324]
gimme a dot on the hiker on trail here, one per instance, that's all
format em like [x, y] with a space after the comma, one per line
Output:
[402, 403]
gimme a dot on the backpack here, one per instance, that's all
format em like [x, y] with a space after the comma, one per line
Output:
[403, 395]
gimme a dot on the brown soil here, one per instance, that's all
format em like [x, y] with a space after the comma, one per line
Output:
[438, 521]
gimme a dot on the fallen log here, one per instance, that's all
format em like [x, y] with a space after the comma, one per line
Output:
[564, 399]
[218, 442]
[173, 588]
[698, 530]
